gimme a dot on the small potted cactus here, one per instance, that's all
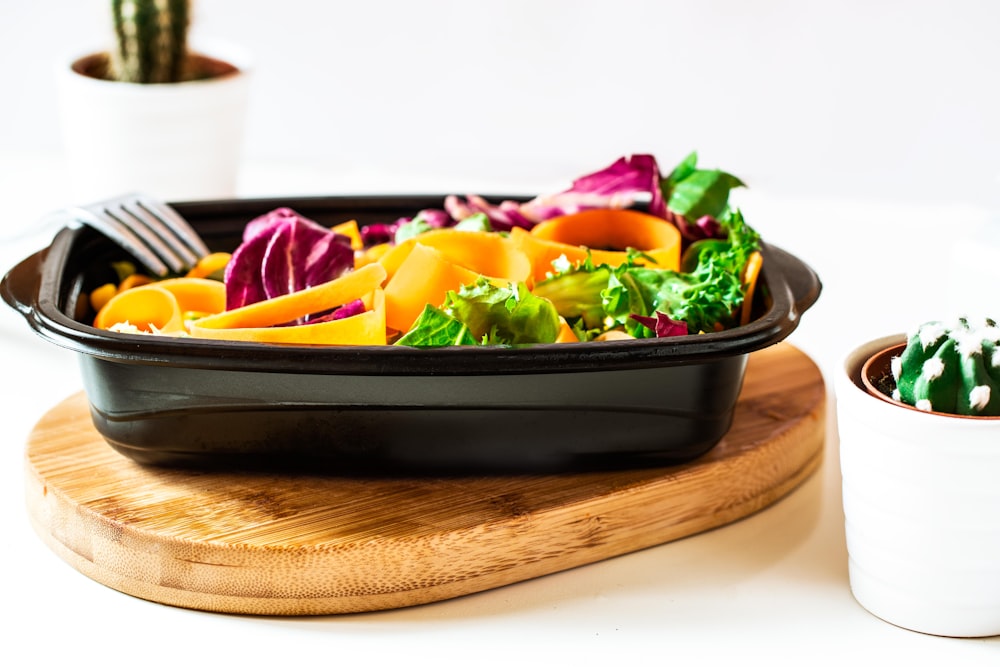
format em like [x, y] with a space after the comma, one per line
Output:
[919, 422]
[948, 368]
[151, 46]
[151, 113]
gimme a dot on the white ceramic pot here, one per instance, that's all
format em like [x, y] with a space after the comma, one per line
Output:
[922, 507]
[177, 141]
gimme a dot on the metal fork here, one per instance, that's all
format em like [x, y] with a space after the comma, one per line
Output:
[153, 232]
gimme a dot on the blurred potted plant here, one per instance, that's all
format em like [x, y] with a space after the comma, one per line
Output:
[152, 114]
[919, 422]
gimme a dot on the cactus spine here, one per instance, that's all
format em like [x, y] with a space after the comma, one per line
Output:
[151, 40]
[951, 368]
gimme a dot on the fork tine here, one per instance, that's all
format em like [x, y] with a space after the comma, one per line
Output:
[96, 216]
[171, 248]
[114, 212]
[179, 227]
[152, 231]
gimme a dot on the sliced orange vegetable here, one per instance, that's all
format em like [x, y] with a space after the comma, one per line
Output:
[289, 307]
[209, 264]
[425, 277]
[196, 294]
[566, 333]
[542, 252]
[609, 233]
[134, 280]
[147, 307]
[367, 328]
[615, 334]
[394, 255]
[101, 295]
[370, 255]
[422, 270]
[161, 306]
[751, 272]
[350, 230]
[486, 253]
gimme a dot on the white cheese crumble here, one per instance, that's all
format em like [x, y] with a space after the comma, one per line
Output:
[128, 327]
[560, 264]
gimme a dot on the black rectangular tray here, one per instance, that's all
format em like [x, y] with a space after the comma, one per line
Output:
[217, 404]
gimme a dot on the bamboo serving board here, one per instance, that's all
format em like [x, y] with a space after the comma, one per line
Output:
[296, 545]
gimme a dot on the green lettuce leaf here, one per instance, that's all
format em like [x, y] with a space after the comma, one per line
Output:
[435, 328]
[407, 230]
[706, 292]
[477, 222]
[577, 292]
[707, 296]
[741, 240]
[485, 314]
[509, 315]
[694, 192]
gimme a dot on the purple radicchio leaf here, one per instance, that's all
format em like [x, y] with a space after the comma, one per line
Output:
[662, 325]
[267, 223]
[349, 309]
[283, 252]
[385, 232]
[244, 284]
[301, 254]
[503, 217]
[436, 218]
[705, 227]
[243, 278]
[380, 232]
[628, 182]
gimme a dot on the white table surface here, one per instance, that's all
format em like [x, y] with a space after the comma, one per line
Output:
[771, 588]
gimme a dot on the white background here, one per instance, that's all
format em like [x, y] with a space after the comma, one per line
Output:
[867, 134]
[888, 99]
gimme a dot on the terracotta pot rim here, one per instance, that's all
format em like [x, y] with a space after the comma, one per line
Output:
[882, 356]
[219, 68]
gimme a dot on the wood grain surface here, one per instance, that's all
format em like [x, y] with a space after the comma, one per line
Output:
[281, 544]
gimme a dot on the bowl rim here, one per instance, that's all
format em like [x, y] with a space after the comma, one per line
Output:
[39, 287]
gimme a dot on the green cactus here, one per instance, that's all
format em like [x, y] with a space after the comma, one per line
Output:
[952, 368]
[151, 38]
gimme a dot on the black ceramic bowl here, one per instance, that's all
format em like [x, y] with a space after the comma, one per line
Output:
[206, 403]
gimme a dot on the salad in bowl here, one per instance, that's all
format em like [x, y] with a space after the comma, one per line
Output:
[626, 252]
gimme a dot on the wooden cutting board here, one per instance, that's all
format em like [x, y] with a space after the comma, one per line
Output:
[296, 545]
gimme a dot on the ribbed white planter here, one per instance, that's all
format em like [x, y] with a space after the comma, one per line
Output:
[922, 506]
[177, 141]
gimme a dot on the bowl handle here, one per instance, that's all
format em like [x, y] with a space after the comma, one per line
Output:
[802, 281]
[19, 287]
